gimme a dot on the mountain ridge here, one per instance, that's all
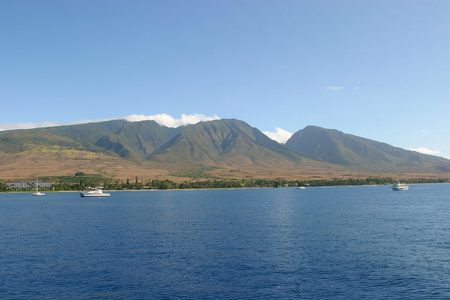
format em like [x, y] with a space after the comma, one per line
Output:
[225, 148]
[336, 147]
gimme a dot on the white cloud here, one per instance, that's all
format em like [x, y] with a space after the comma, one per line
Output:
[162, 119]
[16, 126]
[4, 127]
[280, 135]
[169, 121]
[335, 88]
[425, 151]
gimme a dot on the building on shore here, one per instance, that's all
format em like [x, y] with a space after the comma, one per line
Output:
[28, 185]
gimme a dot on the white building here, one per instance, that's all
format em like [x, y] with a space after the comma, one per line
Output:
[26, 185]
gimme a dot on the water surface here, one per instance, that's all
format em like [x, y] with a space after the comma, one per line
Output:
[318, 243]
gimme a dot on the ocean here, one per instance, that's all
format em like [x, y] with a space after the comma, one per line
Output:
[364, 242]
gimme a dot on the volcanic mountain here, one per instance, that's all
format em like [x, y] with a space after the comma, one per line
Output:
[220, 148]
[339, 148]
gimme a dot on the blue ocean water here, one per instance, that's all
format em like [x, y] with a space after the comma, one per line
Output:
[320, 243]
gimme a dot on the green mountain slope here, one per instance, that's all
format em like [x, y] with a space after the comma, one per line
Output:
[18, 141]
[223, 147]
[128, 140]
[231, 142]
[125, 139]
[145, 137]
[336, 147]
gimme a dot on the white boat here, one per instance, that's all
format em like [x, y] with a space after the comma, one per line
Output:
[94, 193]
[301, 188]
[37, 193]
[400, 186]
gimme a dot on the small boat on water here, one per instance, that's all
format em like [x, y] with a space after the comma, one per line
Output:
[37, 193]
[94, 193]
[400, 186]
[301, 188]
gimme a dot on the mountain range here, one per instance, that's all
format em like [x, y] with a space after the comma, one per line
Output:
[226, 148]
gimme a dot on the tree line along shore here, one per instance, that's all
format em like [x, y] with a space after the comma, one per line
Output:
[83, 181]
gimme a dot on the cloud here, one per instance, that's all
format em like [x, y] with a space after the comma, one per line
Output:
[4, 127]
[17, 126]
[169, 121]
[335, 88]
[280, 135]
[161, 119]
[425, 151]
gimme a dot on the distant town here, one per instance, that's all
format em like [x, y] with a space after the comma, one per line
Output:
[29, 185]
[82, 182]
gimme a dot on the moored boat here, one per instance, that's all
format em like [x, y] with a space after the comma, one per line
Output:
[94, 193]
[397, 186]
[37, 193]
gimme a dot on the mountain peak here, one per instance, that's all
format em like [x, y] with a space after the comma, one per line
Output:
[224, 146]
[337, 147]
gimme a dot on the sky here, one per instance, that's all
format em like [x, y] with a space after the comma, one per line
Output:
[377, 69]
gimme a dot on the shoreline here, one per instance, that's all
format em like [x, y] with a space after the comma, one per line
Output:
[211, 189]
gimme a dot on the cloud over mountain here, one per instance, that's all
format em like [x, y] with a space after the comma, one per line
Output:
[280, 135]
[161, 119]
[425, 151]
[169, 121]
[15, 126]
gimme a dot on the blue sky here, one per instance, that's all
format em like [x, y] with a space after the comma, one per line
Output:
[376, 69]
